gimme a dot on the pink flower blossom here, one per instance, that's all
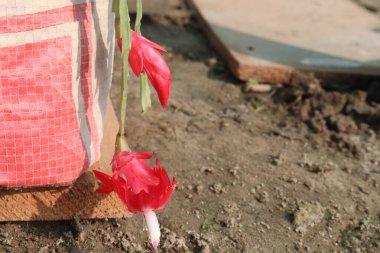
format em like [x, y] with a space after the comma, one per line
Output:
[145, 56]
[154, 196]
[134, 168]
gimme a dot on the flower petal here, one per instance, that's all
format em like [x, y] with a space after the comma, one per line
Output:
[135, 59]
[143, 40]
[140, 187]
[145, 56]
[136, 171]
[108, 185]
[143, 155]
[158, 73]
[165, 196]
[139, 175]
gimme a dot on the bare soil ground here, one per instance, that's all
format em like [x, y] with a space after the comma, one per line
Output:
[296, 170]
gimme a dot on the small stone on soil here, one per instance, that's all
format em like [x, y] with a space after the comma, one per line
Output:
[262, 197]
[229, 223]
[308, 215]
[279, 159]
[198, 188]
[207, 170]
[234, 171]
[217, 188]
[231, 208]
[44, 249]
[211, 62]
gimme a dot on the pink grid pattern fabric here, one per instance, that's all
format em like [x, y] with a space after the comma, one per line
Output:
[50, 103]
[40, 127]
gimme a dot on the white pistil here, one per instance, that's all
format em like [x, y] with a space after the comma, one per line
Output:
[153, 228]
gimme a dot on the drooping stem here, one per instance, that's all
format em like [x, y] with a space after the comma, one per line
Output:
[144, 86]
[139, 14]
[124, 30]
[153, 228]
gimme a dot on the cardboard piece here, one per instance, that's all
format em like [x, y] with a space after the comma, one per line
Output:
[63, 203]
[268, 39]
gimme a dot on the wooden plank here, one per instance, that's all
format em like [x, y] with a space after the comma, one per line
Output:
[151, 6]
[65, 203]
[268, 39]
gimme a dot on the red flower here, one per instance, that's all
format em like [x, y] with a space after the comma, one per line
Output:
[131, 167]
[155, 198]
[108, 182]
[134, 168]
[145, 56]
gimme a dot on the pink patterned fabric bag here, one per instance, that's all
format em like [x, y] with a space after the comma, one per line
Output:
[56, 60]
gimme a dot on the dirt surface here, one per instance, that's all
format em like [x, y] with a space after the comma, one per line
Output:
[371, 5]
[294, 170]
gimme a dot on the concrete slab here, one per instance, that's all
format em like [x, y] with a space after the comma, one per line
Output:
[65, 203]
[268, 39]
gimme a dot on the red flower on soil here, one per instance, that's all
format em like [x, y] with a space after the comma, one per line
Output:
[134, 168]
[156, 197]
[145, 56]
[153, 198]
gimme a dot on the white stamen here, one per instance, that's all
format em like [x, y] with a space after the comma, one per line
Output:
[153, 228]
